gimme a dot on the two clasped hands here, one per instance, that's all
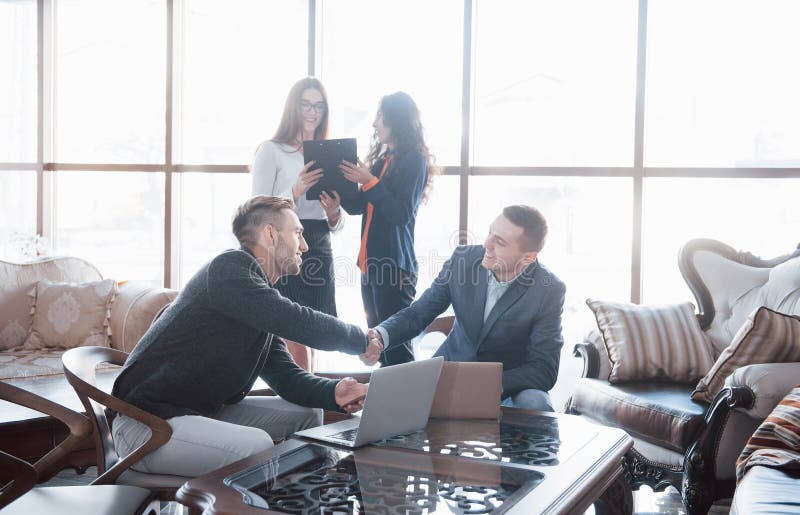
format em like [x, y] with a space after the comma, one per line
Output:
[350, 394]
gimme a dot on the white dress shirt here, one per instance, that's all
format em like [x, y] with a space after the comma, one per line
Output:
[494, 291]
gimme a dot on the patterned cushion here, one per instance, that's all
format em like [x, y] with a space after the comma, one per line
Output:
[14, 333]
[767, 336]
[19, 362]
[17, 279]
[776, 442]
[71, 315]
[652, 342]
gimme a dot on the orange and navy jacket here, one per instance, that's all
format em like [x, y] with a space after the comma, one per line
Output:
[389, 204]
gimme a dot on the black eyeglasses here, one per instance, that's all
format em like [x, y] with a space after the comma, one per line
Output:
[319, 107]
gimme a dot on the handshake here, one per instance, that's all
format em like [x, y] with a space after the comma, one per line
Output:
[374, 348]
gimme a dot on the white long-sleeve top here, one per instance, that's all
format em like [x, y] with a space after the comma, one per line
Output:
[275, 169]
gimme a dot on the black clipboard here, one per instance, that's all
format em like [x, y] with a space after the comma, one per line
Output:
[328, 154]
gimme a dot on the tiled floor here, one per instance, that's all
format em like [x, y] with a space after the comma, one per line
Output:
[645, 500]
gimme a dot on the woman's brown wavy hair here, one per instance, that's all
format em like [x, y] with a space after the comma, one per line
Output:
[291, 123]
[401, 115]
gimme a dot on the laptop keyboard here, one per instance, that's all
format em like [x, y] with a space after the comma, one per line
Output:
[348, 436]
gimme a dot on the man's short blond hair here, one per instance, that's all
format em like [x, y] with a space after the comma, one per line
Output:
[257, 212]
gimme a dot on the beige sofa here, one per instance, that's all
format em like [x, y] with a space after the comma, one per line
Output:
[132, 312]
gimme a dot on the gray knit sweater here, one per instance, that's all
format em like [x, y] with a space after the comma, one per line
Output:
[210, 345]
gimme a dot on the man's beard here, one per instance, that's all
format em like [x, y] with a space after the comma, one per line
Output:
[286, 260]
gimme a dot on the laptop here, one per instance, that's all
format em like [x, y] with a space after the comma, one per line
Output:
[469, 390]
[398, 402]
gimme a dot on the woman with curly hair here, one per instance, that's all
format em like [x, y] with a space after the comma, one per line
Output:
[395, 180]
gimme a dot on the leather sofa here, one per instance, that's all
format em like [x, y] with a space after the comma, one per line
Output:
[678, 442]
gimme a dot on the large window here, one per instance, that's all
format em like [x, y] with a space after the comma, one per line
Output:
[553, 87]
[205, 203]
[113, 220]
[110, 91]
[18, 81]
[757, 215]
[235, 65]
[634, 125]
[17, 214]
[720, 87]
[416, 49]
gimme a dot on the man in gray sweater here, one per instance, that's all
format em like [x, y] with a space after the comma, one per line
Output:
[197, 362]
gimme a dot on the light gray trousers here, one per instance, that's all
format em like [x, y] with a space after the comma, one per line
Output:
[200, 444]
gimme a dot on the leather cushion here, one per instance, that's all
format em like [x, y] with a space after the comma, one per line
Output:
[767, 490]
[660, 413]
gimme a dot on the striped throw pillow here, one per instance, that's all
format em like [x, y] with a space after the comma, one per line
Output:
[652, 342]
[767, 336]
[776, 442]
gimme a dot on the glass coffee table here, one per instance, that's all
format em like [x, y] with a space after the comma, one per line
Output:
[527, 462]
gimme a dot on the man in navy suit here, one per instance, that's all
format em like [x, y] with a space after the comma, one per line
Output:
[507, 308]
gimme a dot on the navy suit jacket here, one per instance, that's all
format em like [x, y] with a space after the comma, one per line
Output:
[523, 330]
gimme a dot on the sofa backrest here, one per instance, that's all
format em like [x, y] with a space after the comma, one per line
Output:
[134, 309]
[18, 279]
[730, 285]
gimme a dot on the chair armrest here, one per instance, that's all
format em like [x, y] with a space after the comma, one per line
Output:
[596, 364]
[133, 311]
[769, 382]
[700, 461]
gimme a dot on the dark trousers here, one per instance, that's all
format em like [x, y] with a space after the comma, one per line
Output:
[385, 292]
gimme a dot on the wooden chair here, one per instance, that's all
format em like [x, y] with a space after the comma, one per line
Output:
[80, 364]
[18, 477]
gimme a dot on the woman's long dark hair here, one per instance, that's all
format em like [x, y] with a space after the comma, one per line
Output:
[401, 116]
[291, 122]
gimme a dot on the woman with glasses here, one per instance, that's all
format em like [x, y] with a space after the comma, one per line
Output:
[397, 177]
[279, 169]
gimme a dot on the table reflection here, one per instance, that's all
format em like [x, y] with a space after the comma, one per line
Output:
[516, 439]
[317, 479]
